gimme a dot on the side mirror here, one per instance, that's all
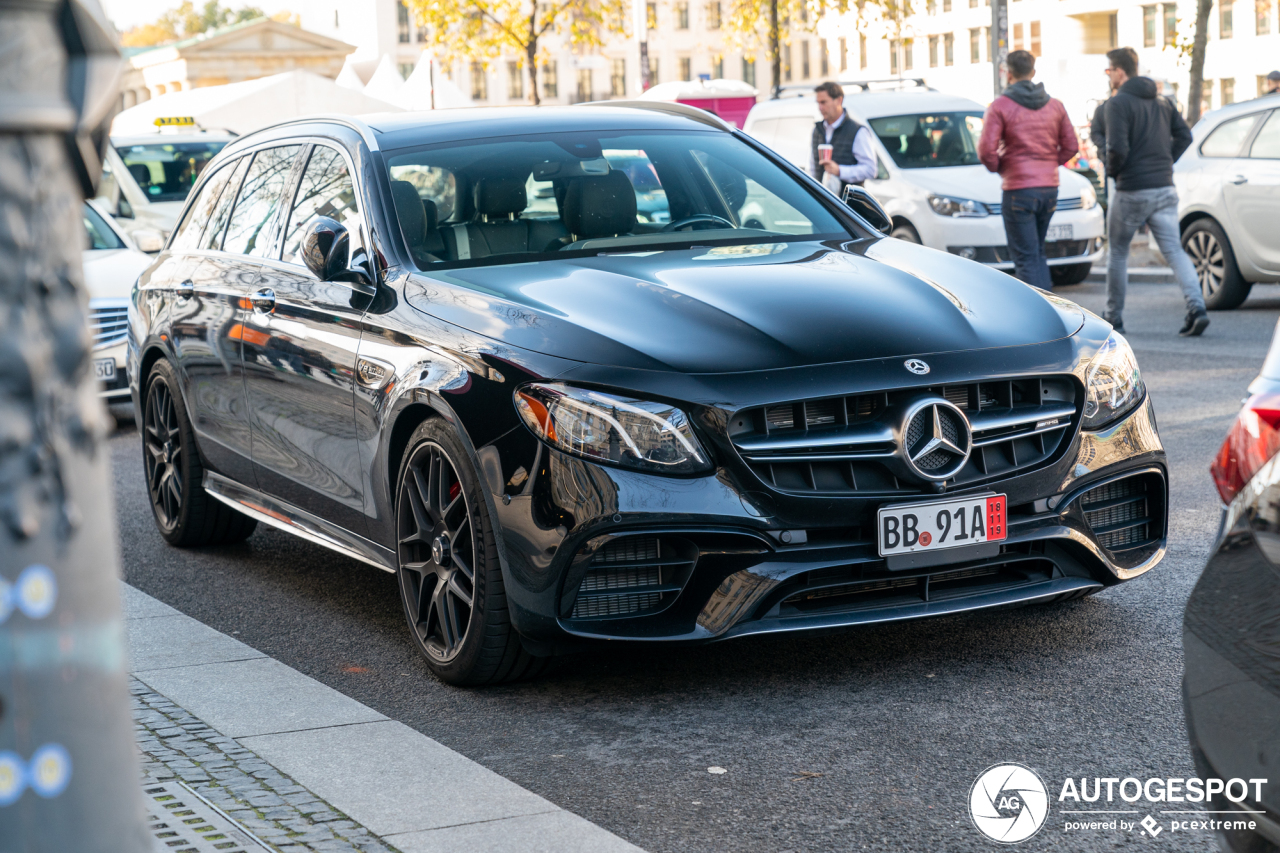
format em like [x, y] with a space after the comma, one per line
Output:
[864, 204]
[148, 240]
[326, 250]
[124, 210]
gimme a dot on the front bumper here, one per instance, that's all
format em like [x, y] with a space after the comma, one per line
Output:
[116, 389]
[723, 566]
[983, 239]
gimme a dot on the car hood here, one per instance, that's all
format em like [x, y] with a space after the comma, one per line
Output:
[747, 308]
[112, 272]
[975, 182]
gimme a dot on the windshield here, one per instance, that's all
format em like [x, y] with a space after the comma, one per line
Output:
[510, 200]
[166, 171]
[930, 139]
[100, 234]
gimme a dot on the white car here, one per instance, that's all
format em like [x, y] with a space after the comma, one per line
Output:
[929, 179]
[146, 179]
[111, 267]
[1229, 199]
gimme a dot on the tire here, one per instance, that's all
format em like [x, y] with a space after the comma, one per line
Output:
[185, 514]
[1215, 262]
[1069, 274]
[905, 232]
[448, 564]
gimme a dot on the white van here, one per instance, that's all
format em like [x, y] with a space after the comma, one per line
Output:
[146, 179]
[929, 179]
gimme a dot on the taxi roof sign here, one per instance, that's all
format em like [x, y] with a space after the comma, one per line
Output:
[175, 121]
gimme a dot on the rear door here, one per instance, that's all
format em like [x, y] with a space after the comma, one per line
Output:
[1252, 191]
[300, 344]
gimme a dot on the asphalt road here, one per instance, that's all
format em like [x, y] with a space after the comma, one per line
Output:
[869, 739]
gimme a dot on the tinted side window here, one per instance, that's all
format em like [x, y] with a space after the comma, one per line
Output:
[1266, 146]
[326, 189]
[201, 211]
[1226, 139]
[212, 238]
[252, 228]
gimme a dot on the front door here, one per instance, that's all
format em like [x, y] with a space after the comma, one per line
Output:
[300, 344]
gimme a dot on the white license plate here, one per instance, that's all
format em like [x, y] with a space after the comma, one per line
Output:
[1059, 232]
[105, 369]
[942, 524]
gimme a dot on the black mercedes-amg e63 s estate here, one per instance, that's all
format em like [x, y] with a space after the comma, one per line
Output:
[618, 372]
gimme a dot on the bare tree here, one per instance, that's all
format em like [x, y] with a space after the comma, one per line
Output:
[1195, 86]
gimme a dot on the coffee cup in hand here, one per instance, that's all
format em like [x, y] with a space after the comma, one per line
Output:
[824, 152]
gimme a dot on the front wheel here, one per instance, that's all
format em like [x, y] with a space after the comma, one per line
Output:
[905, 232]
[1215, 262]
[450, 579]
[1069, 274]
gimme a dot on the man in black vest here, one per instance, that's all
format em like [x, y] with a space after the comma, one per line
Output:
[852, 159]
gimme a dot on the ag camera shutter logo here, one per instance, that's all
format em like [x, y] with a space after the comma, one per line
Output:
[1008, 803]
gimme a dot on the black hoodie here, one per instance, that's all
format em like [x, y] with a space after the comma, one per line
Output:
[1024, 93]
[1145, 134]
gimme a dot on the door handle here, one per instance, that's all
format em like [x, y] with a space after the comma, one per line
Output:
[1239, 179]
[264, 300]
[186, 290]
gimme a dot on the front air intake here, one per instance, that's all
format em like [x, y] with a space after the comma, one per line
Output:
[1119, 513]
[634, 576]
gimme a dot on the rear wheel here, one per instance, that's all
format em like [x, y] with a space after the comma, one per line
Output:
[450, 580]
[1220, 280]
[184, 512]
[1068, 274]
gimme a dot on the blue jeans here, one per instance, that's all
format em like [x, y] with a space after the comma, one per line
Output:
[1026, 220]
[1158, 209]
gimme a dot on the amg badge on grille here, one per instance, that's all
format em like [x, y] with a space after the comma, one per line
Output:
[916, 366]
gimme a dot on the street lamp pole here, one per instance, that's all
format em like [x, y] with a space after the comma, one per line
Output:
[999, 47]
[640, 24]
[69, 776]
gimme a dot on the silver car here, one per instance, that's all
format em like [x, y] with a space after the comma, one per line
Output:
[1229, 189]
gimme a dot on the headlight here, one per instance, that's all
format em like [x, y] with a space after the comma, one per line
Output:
[653, 437]
[1113, 384]
[945, 205]
[1088, 198]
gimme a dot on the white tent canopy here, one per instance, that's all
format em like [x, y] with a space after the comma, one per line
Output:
[688, 90]
[416, 92]
[386, 82]
[253, 104]
[348, 78]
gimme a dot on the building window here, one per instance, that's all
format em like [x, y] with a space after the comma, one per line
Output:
[1035, 38]
[1262, 9]
[1228, 85]
[908, 54]
[824, 66]
[653, 71]
[973, 4]
[682, 16]
[405, 69]
[1206, 97]
[1017, 37]
[550, 80]
[949, 49]
[1148, 26]
[786, 62]
[1263, 83]
[713, 16]
[584, 84]
[717, 68]
[931, 6]
[1170, 24]
[804, 60]
[946, 5]
[893, 56]
[686, 68]
[651, 15]
[844, 54]
[479, 82]
[933, 51]
[1225, 27]
[618, 78]
[975, 45]
[862, 52]
[749, 70]
[402, 22]
[515, 81]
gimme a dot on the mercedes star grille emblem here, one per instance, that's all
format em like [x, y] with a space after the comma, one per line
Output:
[936, 441]
[916, 366]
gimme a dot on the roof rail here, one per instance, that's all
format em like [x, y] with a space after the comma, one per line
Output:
[366, 133]
[864, 85]
[670, 108]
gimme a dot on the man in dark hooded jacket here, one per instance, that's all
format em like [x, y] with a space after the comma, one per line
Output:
[1145, 135]
[1026, 136]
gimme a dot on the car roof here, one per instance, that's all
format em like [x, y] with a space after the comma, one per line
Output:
[874, 104]
[159, 138]
[1241, 108]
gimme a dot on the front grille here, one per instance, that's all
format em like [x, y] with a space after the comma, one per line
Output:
[634, 576]
[108, 321]
[1119, 513]
[846, 444]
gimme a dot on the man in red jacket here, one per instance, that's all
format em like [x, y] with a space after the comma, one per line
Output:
[1026, 136]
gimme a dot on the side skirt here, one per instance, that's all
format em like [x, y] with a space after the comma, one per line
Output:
[301, 524]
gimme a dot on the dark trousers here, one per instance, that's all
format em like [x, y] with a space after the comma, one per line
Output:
[1026, 220]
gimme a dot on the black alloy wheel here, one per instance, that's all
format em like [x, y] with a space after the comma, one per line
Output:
[450, 578]
[1210, 251]
[184, 512]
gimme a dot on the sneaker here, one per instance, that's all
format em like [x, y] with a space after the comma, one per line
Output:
[1194, 325]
